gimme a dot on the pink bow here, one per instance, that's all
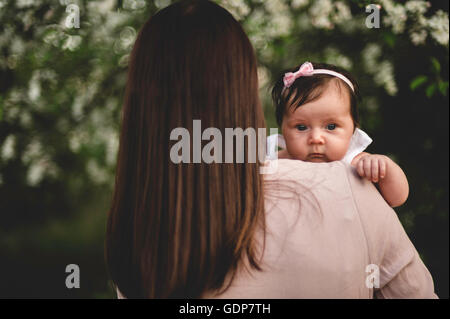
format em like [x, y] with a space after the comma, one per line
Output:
[306, 69]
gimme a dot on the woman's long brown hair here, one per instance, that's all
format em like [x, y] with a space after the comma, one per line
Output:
[183, 230]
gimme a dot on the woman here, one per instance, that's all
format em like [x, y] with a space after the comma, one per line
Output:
[191, 229]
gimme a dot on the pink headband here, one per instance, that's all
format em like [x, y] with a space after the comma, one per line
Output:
[307, 69]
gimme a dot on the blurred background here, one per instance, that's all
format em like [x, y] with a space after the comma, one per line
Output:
[61, 92]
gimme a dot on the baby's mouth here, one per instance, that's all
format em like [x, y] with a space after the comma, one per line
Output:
[317, 157]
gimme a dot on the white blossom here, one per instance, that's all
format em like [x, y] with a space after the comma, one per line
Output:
[298, 4]
[67, 2]
[352, 25]
[40, 168]
[281, 22]
[343, 13]
[383, 72]
[25, 119]
[34, 87]
[17, 46]
[385, 76]
[255, 25]
[280, 25]
[6, 36]
[55, 34]
[8, 148]
[78, 106]
[112, 146]
[49, 75]
[396, 16]
[125, 41]
[334, 56]
[276, 6]
[439, 27]
[12, 61]
[33, 150]
[266, 53]
[25, 3]
[417, 6]
[370, 54]
[102, 29]
[415, 11]
[38, 162]
[418, 37]
[304, 22]
[12, 112]
[161, 3]
[320, 14]
[124, 59]
[97, 173]
[101, 7]
[326, 14]
[14, 99]
[77, 138]
[72, 42]
[35, 173]
[140, 4]
[114, 20]
[85, 95]
[238, 8]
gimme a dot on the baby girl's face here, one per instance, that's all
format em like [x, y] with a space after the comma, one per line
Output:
[320, 130]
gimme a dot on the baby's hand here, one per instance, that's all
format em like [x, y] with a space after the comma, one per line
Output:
[371, 166]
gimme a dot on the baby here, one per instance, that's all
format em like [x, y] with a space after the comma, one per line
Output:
[316, 108]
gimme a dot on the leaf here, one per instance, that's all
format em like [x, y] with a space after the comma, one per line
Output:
[389, 38]
[418, 81]
[431, 89]
[443, 88]
[436, 65]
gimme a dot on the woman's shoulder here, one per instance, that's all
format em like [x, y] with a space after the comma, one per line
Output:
[334, 184]
[310, 188]
[296, 170]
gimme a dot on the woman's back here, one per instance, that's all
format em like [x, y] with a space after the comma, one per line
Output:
[329, 234]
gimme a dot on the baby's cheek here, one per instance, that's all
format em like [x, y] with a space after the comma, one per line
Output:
[338, 155]
[295, 150]
[295, 144]
[339, 151]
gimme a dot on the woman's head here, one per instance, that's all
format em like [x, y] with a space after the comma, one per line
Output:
[317, 113]
[178, 230]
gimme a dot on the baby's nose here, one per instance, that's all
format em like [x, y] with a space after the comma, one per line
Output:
[316, 137]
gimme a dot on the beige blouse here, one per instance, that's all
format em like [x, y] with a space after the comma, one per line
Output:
[330, 234]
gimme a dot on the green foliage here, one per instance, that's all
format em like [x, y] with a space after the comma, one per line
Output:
[443, 87]
[434, 80]
[418, 81]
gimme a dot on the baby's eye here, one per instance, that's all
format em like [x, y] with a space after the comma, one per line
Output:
[331, 126]
[300, 127]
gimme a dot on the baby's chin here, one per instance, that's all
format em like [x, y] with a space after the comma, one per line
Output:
[315, 159]
[323, 158]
